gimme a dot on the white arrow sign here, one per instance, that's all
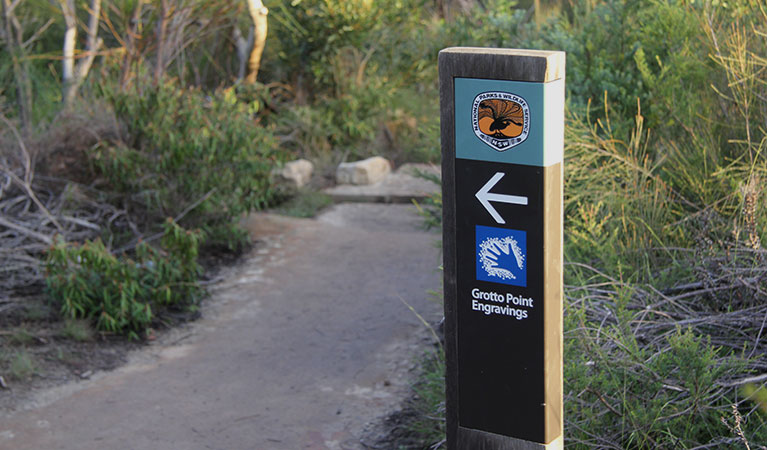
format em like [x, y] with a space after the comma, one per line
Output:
[485, 197]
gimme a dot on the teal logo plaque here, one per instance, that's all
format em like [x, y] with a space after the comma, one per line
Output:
[500, 119]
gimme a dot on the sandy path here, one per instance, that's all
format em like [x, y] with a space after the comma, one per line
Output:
[303, 345]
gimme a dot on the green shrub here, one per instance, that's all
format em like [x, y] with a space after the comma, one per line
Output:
[189, 154]
[310, 32]
[122, 294]
[665, 162]
[364, 78]
[634, 378]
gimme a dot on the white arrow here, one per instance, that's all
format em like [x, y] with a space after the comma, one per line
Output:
[485, 197]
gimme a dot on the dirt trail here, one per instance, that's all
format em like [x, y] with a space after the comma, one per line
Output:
[302, 346]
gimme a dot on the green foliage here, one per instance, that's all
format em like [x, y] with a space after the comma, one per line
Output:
[189, 154]
[429, 426]
[77, 329]
[305, 203]
[17, 365]
[339, 122]
[644, 391]
[122, 294]
[621, 51]
[430, 209]
[20, 336]
[372, 87]
[22, 365]
[364, 119]
[664, 173]
[758, 394]
[309, 32]
[36, 310]
[624, 218]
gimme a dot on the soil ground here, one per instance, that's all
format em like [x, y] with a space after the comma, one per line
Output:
[307, 343]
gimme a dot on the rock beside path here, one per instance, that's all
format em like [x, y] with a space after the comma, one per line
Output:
[402, 186]
[364, 172]
[295, 174]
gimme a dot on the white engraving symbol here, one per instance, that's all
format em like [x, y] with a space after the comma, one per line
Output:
[485, 197]
[494, 253]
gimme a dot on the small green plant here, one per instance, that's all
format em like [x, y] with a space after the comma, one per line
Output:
[77, 329]
[22, 365]
[36, 310]
[20, 336]
[305, 203]
[430, 209]
[121, 293]
[429, 426]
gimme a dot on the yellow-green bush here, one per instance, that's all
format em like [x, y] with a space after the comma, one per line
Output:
[122, 294]
[189, 152]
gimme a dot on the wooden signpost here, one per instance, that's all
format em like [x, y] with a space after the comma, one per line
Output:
[502, 148]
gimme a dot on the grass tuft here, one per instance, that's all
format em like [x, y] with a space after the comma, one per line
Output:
[305, 204]
[22, 365]
[77, 329]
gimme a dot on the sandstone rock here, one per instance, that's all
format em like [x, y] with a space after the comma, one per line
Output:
[296, 173]
[367, 171]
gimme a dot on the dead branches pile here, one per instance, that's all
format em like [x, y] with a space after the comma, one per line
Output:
[37, 210]
[633, 357]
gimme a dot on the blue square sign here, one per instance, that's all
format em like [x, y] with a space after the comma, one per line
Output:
[501, 255]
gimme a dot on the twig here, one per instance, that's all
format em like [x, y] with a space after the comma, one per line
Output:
[81, 222]
[742, 381]
[176, 219]
[26, 231]
[604, 402]
[194, 205]
[26, 183]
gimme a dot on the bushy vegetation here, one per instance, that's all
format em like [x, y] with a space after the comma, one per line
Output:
[189, 152]
[119, 293]
[361, 78]
[665, 169]
[664, 216]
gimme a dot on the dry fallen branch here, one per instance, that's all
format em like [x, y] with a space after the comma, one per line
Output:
[725, 308]
[33, 212]
[26, 231]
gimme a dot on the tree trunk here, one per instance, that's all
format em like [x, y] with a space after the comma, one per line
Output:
[450, 8]
[131, 52]
[162, 32]
[68, 61]
[243, 50]
[94, 42]
[73, 74]
[258, 13]
[12, 31]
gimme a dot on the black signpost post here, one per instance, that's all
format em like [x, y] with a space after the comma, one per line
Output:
[502, 148]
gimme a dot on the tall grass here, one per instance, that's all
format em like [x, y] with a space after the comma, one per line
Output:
[664, 217]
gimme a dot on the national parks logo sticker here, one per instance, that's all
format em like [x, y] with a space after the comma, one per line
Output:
[500, 119]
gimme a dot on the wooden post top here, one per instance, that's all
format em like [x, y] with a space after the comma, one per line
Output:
[537, 66]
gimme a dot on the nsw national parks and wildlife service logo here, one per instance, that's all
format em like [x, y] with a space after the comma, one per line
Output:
[500, 119]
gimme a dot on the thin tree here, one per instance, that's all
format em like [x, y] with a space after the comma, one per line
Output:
[166, 11]
[73, 74]
[12, 34]
[251, 49]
